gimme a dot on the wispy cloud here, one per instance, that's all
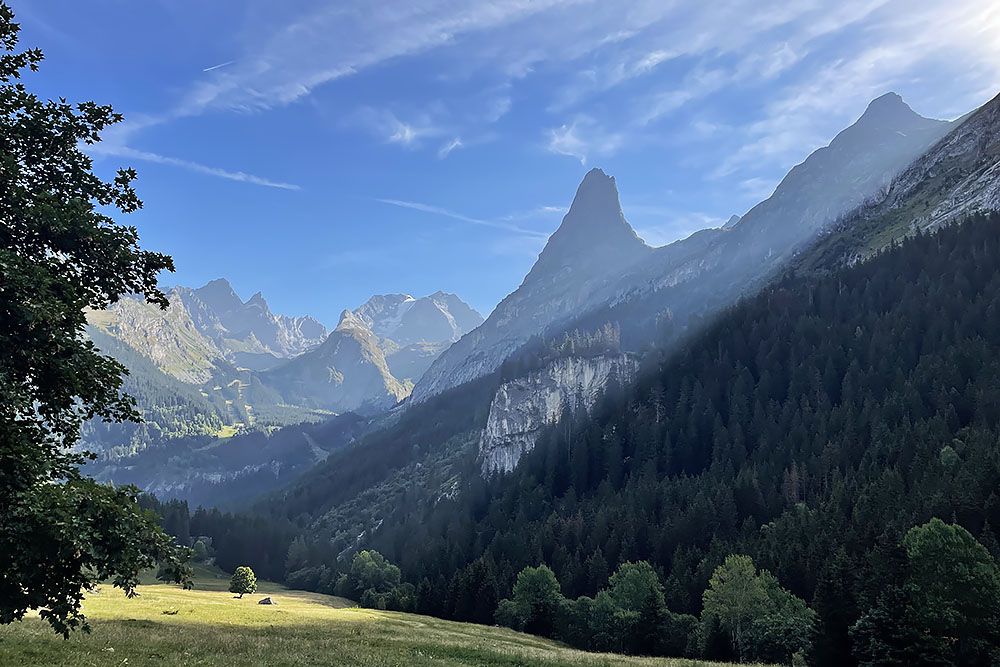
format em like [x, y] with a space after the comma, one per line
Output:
[387, 126]
[219, 66]
[437, 210]
[899, 49]
[582, 139]
[537, 212]
[601, 66]
[146, 156]
[448, 147]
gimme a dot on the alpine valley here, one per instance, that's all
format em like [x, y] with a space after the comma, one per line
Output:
[768, 388]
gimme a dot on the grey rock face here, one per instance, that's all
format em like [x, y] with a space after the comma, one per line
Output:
[248, 331]
[592, 247]
[522, 408]
[960, 175]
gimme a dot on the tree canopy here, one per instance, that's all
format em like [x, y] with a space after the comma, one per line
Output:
[243, 581]
[60, 255]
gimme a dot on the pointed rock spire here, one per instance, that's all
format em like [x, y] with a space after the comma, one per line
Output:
[594, 229]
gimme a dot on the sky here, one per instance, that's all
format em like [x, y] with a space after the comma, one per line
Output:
[325, 151]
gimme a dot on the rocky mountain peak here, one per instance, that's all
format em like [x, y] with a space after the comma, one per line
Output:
[348, 321]
[887, 114]
[219, 295]
[257, 301]
[594, 229]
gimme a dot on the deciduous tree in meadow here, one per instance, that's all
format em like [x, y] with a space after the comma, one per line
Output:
[244, 581]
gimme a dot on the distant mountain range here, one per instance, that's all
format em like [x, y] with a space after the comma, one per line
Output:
[212, 367]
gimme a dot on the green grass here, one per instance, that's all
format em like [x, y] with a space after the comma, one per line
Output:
[209, 626]
[227, 431]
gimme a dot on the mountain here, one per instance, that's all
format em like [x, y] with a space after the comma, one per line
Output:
[347, 372]
[414, 332]
[248, 332]
[169, 338]
[535, 360]
[592, 246]
[809, 427]
[438, 318]
[957, 176]
[370, 361]
[595, 261]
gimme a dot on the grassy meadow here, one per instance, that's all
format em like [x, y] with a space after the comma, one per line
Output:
[168, 626]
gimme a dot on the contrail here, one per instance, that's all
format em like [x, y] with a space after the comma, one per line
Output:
[214, 67]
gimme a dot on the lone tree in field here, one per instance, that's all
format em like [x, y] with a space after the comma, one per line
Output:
[60, 254]
[244, 581]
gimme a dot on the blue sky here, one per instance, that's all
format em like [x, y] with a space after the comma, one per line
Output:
[322, 152]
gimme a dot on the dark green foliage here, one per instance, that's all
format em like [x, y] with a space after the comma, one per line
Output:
[375, 583]
[836, 609]
[535, 603]
[244, 581]
[941, 607]
[764, 621]
[631, 616]
[60, 254]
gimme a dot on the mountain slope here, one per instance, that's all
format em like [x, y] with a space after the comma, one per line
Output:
[218, 472]
[959, 175]
[592, 246]
[168, 338]
[859, 163]
[347, 372]
[657, 301]
[594, 260]
[817, 421]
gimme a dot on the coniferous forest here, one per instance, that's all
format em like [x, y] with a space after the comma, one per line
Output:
[810, 430]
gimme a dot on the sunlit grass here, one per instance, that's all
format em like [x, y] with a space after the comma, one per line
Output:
[209, 626]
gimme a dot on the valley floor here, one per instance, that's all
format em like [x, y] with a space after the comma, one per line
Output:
[209, 626]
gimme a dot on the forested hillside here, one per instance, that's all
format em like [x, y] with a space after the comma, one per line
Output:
[810, 428]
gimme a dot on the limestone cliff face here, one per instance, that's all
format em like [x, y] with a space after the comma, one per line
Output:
[523, 407]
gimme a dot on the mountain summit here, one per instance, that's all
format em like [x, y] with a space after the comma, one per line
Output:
[594, 229]
[593, 246]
